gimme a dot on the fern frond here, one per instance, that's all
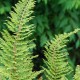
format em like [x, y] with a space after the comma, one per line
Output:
[77, 73]
[16, 50]
[56, 54]
[63, 78]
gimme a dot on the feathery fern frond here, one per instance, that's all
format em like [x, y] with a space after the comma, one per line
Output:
[16, 50]
[63, 78]
[57, 57]
[77, 73]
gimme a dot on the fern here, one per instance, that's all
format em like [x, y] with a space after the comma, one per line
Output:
[57, 57]
[63, 78]
[16, 50]
[77, 74]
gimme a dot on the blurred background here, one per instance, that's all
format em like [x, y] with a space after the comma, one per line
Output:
[51, 17]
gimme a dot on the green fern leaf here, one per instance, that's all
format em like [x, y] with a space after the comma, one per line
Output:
[16, 50]
[77, 73]
[56, 54]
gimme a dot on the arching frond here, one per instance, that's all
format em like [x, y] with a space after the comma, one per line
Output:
[56, 54]
[16, 50]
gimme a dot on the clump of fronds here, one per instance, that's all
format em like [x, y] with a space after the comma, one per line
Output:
[56, 54]
[77, 73]
[16, 50]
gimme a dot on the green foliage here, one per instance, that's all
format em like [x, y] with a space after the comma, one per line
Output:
[45, 1]
[70, 4]
[42, 29]
[51, 17]
[59, 16]
[5, 6]
[41, 21]
[77, 73]
[67, 18]
[54, 16]
[57, 64]
[16, 49]
[63, 78]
